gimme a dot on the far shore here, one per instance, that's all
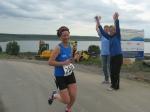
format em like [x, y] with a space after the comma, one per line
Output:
[4, 37]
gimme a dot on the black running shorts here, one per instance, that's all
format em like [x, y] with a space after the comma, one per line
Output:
[63, 82]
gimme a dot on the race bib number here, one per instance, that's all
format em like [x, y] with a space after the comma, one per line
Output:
[68, 69]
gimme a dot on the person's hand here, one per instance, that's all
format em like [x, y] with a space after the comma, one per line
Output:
[115, 16]
[67, 62]
[98, 18]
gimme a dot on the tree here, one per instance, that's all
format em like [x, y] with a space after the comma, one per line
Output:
[12, 48]
[1, 49]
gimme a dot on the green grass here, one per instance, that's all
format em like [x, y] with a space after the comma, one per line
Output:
[137, 66]
[19, 56]
[4, 56]
[92, 61]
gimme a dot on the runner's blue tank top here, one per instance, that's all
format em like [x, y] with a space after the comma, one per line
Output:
[65, 53]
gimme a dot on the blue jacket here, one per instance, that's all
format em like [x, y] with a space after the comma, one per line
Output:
[115, 40]
[105, 45]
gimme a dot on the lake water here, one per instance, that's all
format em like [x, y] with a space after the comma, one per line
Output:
[32, 46]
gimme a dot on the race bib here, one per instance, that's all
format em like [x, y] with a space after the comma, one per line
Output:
[68, 69]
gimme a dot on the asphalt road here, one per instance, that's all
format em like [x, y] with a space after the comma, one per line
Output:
[24, 87]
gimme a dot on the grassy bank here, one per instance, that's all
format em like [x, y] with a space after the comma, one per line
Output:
[27, 55]
[136, 71]
[92, 61]
[137, 66]
[4, 56]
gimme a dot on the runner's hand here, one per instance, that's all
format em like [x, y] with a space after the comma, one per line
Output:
[67, 62]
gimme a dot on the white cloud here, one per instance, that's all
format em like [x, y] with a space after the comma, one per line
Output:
[124, 5]
[78, 14]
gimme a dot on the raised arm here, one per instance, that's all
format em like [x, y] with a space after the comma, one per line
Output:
[116, 22]
[98, 31]
[102, 32]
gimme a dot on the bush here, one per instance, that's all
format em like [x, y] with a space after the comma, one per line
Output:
[1, 49]
[94, 50]
[12, 48]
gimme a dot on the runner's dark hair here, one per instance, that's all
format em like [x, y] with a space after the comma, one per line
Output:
[62, 29]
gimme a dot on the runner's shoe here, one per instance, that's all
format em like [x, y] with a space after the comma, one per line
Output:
[68, 110]
[51, 98]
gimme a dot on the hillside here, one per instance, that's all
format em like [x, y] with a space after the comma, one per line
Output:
[10, 37]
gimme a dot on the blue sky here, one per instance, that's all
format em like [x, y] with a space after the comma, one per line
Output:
[46, 16]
